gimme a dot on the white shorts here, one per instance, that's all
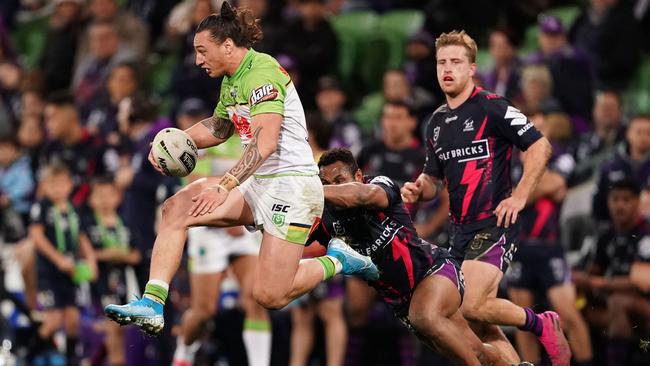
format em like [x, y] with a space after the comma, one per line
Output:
[285, 205]
[211, 249]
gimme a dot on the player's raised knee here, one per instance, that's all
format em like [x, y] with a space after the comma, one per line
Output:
[269, 299]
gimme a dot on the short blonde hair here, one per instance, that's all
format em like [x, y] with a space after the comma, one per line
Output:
[458, 38]
[537, 73]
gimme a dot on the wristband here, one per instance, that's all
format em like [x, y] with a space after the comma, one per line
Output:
[228, 182]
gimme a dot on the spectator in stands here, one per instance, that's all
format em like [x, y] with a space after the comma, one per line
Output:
[106, 51]
[330, 99]
[319, 134]
[16, 178]
[611, 36]
[395, 88]
[619, 269]
[10, 76]
[570, 70]
[503, 79]
[31, 135]
[70, 144]
[398, 154]
[420, 65]
[101, 117]
[536, 87]
[594, 146]
[188, 80]
[61, 242]
[313, 43]
[630, 160]
[31, 102]
[132, 32]
[58, 57]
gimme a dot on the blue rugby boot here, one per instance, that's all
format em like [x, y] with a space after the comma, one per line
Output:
[144, 313]
[353, 263]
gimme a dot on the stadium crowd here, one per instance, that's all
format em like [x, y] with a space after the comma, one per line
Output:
[85, 85]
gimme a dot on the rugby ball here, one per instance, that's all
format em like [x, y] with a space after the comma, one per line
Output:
[175, 152]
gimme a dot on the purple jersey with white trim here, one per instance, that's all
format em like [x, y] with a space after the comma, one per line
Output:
[470, 147]
[388, 237]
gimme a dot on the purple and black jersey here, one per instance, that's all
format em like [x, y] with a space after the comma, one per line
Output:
[470, 147]
[389, 238]
[540, 220]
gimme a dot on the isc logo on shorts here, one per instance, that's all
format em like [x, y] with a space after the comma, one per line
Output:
[280, 208]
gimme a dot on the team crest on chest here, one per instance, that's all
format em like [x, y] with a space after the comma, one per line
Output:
[469, 125]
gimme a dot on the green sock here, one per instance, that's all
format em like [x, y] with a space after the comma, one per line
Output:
[329, 268]
[257, 325]
[156, 292]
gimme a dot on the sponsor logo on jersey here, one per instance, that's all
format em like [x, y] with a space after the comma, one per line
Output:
[469, 125]
[452, 118]
[526, 127]
[382, 180]
[479, 149]
[263, 93]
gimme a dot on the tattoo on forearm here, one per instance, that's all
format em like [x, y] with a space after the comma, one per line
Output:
[220, 128]
[251, 159]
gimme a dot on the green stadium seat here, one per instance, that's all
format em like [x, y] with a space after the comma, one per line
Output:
[29, 39]
[369, 112]
[352, 30]
[397, 26]
[373, 61]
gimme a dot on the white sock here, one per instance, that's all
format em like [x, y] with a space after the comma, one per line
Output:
[257, 341]
[185, 353]
[337, 263]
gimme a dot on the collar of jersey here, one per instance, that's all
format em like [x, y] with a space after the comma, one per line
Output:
[244, 64]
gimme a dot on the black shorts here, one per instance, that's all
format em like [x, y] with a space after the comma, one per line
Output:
[56, 291]
[492, 244]
[538, 267]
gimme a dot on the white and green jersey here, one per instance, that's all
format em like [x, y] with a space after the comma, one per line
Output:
[261, 85]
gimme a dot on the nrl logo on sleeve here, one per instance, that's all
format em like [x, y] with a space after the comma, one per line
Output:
[263, 93]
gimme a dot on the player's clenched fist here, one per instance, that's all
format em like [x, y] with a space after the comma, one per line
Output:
[411, 191]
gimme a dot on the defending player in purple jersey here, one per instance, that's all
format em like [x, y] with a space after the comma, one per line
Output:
[420, 282]
[469, 143]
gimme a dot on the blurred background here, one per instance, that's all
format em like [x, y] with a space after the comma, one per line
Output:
[88, 83]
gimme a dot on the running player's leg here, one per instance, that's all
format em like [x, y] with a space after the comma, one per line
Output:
[359, 300]
[71, 326]
[563, 300]
[330, 311]
[302, 333]
[526, 342]
[435, 301]
[172, 230]
[114, 342]
[480, 305]
[204, 294]
[257, 324]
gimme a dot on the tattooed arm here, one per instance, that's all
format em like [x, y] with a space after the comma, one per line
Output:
[264, 141]
[211, 131]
